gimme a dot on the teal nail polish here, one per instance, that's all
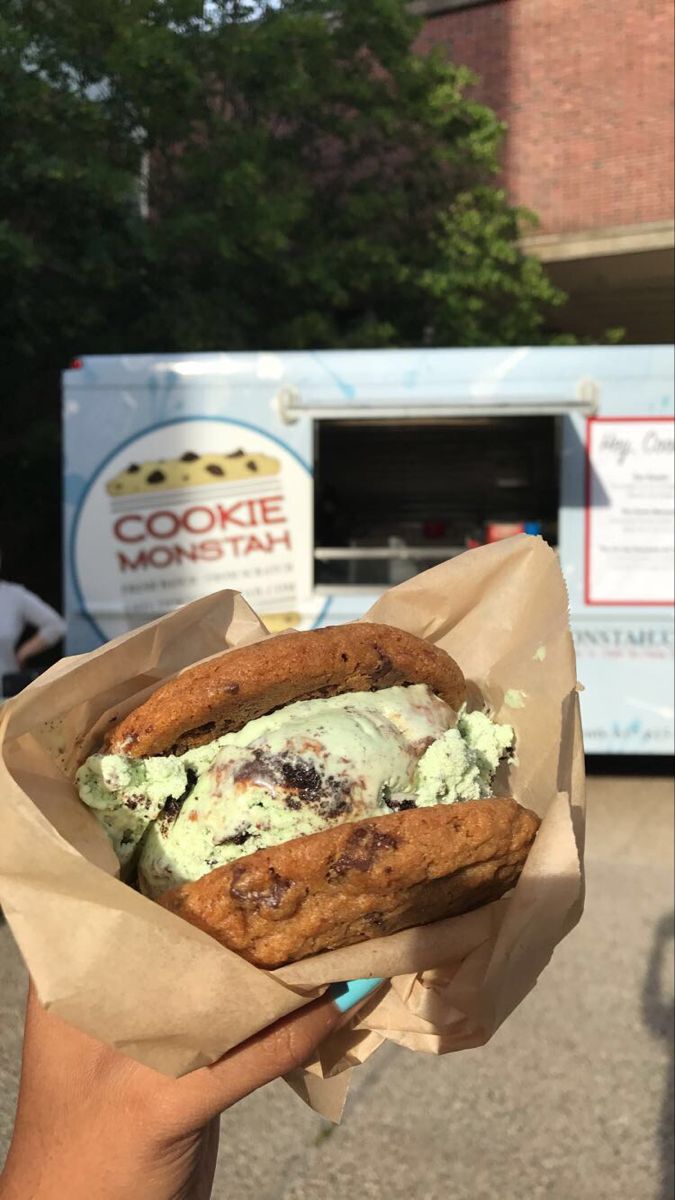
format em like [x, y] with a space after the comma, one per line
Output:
[348, 995]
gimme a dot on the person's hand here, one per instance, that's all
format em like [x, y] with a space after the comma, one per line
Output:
[21, 658]
[94, 1125]
[28, 649]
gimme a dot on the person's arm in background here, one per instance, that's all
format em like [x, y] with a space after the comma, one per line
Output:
[49, 627]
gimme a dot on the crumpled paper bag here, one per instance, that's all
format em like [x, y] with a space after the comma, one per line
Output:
[134, 975]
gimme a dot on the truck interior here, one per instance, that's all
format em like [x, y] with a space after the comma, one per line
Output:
[393, 498]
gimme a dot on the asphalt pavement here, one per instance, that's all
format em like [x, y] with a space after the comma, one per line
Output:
[572, 1100]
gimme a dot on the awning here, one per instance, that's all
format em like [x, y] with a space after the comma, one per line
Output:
[292, 406]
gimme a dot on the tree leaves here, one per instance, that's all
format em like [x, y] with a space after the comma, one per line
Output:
[312, 181]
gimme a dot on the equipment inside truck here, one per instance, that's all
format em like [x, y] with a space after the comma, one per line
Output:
[394, 497]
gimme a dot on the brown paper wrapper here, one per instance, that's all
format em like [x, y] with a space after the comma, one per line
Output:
[116, 965]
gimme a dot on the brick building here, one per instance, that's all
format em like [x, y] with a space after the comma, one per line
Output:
[586, 89]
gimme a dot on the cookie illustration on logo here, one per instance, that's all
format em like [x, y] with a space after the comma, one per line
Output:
[280, 622]
[193, 507]
[189, 471]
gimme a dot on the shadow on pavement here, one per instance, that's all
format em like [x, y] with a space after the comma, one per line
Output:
[658, 1016]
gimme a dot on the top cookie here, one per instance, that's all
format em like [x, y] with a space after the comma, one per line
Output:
[224, 693]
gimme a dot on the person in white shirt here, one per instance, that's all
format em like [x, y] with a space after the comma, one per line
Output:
[19, 608]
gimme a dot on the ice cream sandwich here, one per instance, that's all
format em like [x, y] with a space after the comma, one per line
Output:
[311, 791]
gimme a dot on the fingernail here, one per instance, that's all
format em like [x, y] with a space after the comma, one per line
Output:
[348, 995]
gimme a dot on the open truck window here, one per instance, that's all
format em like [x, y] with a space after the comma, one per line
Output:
[393, 498]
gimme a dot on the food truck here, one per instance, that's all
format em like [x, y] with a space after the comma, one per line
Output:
[312, 482]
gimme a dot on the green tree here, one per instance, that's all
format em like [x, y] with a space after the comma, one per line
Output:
[311, 181]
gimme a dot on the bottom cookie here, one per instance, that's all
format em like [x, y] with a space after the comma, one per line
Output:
[361, 880]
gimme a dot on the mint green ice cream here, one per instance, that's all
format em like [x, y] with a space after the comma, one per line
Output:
[462, 764]
[306, 767]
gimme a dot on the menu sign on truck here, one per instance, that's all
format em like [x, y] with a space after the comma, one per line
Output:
[189, 507]
[630, 512]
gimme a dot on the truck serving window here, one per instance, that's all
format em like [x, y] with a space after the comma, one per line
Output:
[392, 498]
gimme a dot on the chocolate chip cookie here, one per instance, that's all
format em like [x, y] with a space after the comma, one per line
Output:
[360, 880]
[222, 694]
[189, 471]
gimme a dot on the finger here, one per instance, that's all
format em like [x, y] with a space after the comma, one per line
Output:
[273, 1052]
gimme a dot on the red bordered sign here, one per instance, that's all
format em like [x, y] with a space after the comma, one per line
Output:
[629, 511]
